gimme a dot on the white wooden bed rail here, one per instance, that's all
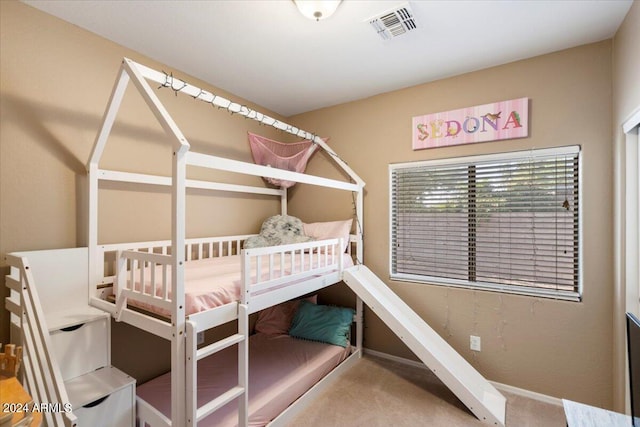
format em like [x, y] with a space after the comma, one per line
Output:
[199, 248]
[303, 259]
[143, 273]
[118, 176]
[229, 165]
[139, 264]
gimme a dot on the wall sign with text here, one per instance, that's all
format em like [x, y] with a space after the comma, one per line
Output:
[482, 123]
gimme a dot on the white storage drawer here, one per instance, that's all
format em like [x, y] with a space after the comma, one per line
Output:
[113, 410]
[81, 348]
[104, 398]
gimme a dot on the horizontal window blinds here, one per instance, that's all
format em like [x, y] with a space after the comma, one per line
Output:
[499, 222]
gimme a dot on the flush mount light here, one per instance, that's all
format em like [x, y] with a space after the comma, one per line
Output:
[317, 9]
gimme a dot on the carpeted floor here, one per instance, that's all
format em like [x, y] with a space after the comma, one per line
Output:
[383, 393]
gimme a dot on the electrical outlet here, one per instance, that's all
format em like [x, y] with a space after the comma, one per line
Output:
[475, 343]
[200, 338]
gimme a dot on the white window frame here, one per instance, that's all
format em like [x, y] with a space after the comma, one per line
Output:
[627, 237]
[511, 289]
[631, 212]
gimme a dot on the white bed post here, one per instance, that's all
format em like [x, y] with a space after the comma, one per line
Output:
[360, 225]
[360, 259]
[191, 375]
[92, 169]
[243, 363]
[283, 201]
[178, 236]
[178, 345]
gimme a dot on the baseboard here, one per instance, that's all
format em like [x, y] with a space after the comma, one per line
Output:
[503, 387]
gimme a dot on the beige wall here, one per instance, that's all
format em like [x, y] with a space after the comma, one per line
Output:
[558, 348]
[626, 101]
[55, 82]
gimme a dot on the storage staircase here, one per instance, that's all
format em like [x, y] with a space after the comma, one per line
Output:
[66, 342]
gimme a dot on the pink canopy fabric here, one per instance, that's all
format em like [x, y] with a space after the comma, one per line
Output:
[291, 156]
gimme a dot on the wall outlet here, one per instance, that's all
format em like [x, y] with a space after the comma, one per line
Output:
[200, 338]
[475, 343]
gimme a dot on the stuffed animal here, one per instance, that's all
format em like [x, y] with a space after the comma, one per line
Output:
[278, 230]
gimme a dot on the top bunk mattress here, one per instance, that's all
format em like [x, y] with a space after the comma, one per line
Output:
[214, 282]
[281, 369]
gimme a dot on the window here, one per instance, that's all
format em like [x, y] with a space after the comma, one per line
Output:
[508, 222]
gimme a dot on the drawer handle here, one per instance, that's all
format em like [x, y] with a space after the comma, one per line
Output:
[72, 328]
[96, 402]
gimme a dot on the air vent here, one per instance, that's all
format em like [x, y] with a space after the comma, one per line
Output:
[394, 22]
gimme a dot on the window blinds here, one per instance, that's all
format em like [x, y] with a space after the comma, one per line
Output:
[506, 222]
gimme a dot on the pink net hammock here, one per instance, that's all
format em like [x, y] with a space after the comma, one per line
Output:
[289, 156]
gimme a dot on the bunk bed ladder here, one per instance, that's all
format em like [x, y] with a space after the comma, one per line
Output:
[239, 391]
[42, 376]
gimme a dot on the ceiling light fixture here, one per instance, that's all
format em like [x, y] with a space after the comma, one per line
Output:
[317, 9]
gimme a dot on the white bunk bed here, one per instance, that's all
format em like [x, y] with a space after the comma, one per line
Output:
[144, 284]
[152, 275]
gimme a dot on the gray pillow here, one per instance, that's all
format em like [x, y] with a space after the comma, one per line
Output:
[278, 230]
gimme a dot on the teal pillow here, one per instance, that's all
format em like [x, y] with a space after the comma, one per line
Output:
[322, 323]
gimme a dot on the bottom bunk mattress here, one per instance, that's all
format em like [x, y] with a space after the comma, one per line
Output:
[281, 369]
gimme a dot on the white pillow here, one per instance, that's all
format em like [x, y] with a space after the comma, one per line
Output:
[330, 230]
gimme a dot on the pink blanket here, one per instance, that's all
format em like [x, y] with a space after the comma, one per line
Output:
[281, 369]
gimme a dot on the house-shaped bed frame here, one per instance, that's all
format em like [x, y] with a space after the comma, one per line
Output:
[325, 266]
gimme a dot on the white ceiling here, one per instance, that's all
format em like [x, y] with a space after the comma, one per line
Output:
[266, 52]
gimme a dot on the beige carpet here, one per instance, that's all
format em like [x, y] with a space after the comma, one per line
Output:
[380, 392]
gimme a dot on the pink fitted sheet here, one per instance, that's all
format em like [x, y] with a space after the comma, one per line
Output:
[281, 369]
[214, 282]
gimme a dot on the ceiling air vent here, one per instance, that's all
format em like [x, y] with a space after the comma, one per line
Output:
[394, 22]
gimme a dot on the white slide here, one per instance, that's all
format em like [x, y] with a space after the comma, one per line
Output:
[486, 403]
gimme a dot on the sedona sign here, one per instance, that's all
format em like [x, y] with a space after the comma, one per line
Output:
[482, 123]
